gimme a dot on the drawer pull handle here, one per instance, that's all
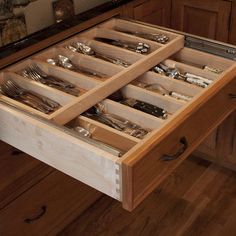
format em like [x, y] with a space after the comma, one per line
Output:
[41, 213]
[183, 148]
[16, 152]
[232, 96]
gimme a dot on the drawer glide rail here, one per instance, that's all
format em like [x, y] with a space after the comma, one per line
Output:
[211, 47]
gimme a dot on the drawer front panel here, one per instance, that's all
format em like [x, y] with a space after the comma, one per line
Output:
[143, 172]
[60, 150]
[18, 173]
[47, 207]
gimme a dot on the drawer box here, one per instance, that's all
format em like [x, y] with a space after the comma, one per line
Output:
[142, 163]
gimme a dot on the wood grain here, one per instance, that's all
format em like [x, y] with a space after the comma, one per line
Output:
[213, 18]
[143, 170]
[63, 197]
[209, 212]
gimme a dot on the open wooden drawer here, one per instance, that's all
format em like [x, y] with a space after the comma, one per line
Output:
[141, 163]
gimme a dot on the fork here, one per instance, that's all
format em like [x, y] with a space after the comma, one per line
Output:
[44, 104]
[35, 73]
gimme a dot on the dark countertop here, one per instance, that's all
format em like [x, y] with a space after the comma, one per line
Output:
[59, 27]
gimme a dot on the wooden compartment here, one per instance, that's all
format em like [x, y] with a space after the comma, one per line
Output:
[121, 24]
[145, 162]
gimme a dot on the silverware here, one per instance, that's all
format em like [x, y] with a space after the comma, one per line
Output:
[160, 38]
[35, 73]
[65, 62]
[117, 122]
[87, 136]
[140, 47]
[85, 49]
[187, 77]
[205, 80]
[213, 69]
[163, 91]
[34, 100]
[145, 107]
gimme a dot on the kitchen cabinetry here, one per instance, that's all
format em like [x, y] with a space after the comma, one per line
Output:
[156, 12]
[127, 168]
[232, 35]
[35, 199]
[227, 145]
[220, 146]
[207, 18]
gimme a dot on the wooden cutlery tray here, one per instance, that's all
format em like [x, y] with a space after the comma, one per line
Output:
[131, 177]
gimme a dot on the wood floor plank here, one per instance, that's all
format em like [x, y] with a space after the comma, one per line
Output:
[163, 213]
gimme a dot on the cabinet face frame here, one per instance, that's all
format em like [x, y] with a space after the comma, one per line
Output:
[218, 13]
[119, 177]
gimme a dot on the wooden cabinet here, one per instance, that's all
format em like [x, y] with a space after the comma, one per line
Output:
[209, 147]
[232, 34]
[227, 145]
[35, 199]
[156, 12]
[207, 18]
[220, 146]
[46, 208]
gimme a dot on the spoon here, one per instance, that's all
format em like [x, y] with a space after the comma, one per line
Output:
[85, 49]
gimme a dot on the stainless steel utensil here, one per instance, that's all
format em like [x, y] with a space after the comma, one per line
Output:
[139, 47]
[39, 102]
[85, 49]
[187, 77]
[117, 122]
[65, 62]
[160, 38]
[163, 91]
[35, 73]
[87, 136]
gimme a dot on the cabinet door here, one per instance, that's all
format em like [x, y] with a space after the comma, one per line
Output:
[156, 12]
[227, 152]
[209, 147]
[232, 35]
[207, 18]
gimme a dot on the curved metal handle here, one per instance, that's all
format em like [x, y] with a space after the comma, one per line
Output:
[184, 143]
[232, 96]
[16, 152]
[37, 217]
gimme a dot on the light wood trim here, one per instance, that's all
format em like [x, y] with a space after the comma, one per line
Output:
[83, 61]
[107, 134]
[81, 81]
[191, 69]
[200, 59]
[112, 34]
[143, 119]
[55, 147]
[128, 25]
[118, 81]
[141, 161]
[170, 83]
[62, 98]
[164, 102]
[107, 49]
[54, 94]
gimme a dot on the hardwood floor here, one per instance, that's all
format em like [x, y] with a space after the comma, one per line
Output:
[199, 198]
